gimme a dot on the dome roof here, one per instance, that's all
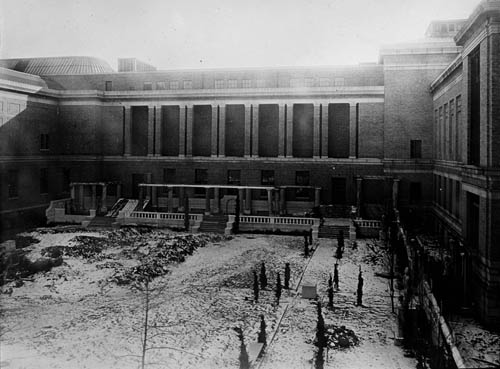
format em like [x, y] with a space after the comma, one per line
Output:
[58, 65]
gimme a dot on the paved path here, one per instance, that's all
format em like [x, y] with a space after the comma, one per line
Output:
[374, 324]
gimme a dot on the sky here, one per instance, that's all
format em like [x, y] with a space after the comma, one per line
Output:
[178, 34]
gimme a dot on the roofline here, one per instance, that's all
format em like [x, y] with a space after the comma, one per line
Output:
[485, 8]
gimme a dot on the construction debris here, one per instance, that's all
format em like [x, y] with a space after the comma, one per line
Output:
[341, 337]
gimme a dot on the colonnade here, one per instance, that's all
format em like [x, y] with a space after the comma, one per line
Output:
[275, 197]
[77, 190]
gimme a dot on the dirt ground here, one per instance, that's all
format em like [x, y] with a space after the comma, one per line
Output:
[77, 316]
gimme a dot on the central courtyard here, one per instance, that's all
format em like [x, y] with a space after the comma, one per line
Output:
[90, 311]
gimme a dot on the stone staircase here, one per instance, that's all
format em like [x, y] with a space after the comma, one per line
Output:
[101, 222]
[213, 224]
[332, 231]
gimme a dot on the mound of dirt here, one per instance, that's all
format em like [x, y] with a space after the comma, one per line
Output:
[341, 337]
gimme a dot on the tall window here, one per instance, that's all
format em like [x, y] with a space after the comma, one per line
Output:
[174, 85]
[188, 85]
[436, 133]
[13, 183]
[160, 85]
[440, 133]
[415, 149]
[108, 85]
[246, 83]
[44, 180]
[232, 83]
[148, 86]
[446, 128]
[44, 141]
[458, 124]
[324, 82]
[66, 179]
[302, 179]
[451, 133]
[475, 108]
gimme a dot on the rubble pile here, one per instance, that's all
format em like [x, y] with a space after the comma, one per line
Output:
[155, 259]
[341, 337]
[89, 248]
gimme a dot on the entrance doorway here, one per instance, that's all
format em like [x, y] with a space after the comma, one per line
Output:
[338, 191]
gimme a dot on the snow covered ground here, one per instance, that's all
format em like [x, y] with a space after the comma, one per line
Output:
[479, 347]
[75, 317]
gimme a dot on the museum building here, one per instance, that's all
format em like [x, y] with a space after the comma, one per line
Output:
[418, 130]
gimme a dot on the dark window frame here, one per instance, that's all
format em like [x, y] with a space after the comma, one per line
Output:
[13, 184]
[415, 149]
[44, 181]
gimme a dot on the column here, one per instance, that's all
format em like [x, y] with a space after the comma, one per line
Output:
[255, 130]
[276, 202]
[248, 130]
[270, 202]
[359, 182]
[154, 197]
[104, 207]
[289, 130]
[353, 130]
[324, 130]
[240, 195]
[158, 129]
[222, 130]
[189, 131]
[94, 197]
[248, 201]
[207, 201]
[281, 130]
[182, 131]
[317, 196]
[170, 199]
[118, 191]
[316, 131]
[395, 192]
[127, 132]
[283, 201]
[81, 202]
[214, 135]
[151, 130]
[141, 197]
[216, 200]
[72, 191]
[181, 199]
